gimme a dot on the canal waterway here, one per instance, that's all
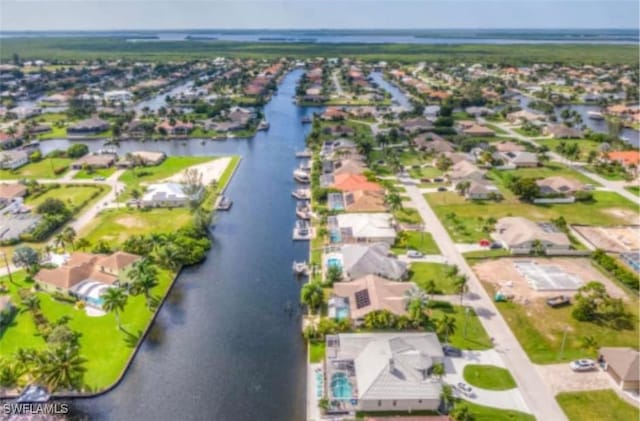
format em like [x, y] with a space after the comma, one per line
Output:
[224, 346]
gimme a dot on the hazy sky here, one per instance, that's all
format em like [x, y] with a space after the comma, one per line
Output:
[210, 14]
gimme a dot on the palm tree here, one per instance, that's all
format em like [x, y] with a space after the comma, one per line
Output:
[24, 359]
[589, 344]
[394, 201]
[167, 256]
[115, 299]
[61, 368]
[83, 244]
[59, 241]
[438, 371]
[463, 187]
[430, 287]
[446, 326]
[462, 413]
[460, 285]
[144, 277]
[69, 235]
[417, 302]
[446, 396]
[312, 295]
[31, 303]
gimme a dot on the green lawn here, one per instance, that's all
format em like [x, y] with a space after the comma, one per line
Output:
[540, 329]
[585, 145]
[489, 377]
[104, 346]
[42, 169]
[416, 240]
[316, 351]
[116, 225]
[408, 216]
[607, 208]
[596, 405]
[550, 169]
[100, 172]
[71, 195]
[425, 172]
[422, 272]
[476, 337]
[486, 413]
[634, 189]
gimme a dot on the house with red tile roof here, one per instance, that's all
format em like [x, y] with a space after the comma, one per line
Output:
[626, 158]
[353, 182]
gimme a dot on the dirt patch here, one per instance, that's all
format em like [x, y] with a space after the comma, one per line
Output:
[620, 239]
[629, 216]
[130, 222]
[502, 274]
[561, 378]
[210, 171]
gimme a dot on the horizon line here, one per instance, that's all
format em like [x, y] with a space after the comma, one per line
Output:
[326, 29]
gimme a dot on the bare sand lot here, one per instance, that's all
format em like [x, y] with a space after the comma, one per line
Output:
[620, 239]
[210, 171]
[503, 275]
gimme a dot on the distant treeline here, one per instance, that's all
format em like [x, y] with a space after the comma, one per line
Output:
[75, 48]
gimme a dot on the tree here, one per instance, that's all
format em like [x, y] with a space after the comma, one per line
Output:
[144, 277]
[26, 257]
[430, 287]
[61, 368]
[525, 188]
[438, 371]
[446, 326]
[69, 235]
[115, 300]
[334, 274]
[192, 186]
[394, 201]
[312, 295]
[589, 344]
[77, 150]
[417, 302]
[463, 187]
[594, 304]
[52, 206]
[444, 163]
[460, 285]
[447, 397]
[30, 303]
[82, 244]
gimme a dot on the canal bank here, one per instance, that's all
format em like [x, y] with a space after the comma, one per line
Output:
[223, 347]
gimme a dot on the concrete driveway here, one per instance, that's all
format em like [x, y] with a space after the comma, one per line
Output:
[505, 399]
[560, 378]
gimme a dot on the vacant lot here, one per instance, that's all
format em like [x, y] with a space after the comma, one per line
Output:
[42, 169]
[99, 172]
[596, 406]
[71, 195]
[607, 208]
[423, 272]
[613, 239]
[416, 240]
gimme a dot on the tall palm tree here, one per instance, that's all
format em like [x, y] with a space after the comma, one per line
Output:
[61, 368]
[312, 294]
[115, 299]
[394, 201]
[69, 235]
[589, 344]
[59, 241]
[167, 256]
[446, 395]
[83, 244]
[460, 286]
[417, 301]
[30, 303]
[144, 277]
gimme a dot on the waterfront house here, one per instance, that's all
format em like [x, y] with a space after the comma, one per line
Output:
[11, 192]
[94, 161]
[358, 260]
[623, 365]
[520, 235]
[13, 159]
[561, 131]
[146, 158]
[364, 201]
[119, 96]
[87, 275]
[89, 126]
[353, 182]
[626, 158]
[373, 293]
[364, 227]
[520, 159]
[168, 195]
[178, 128]
[383, 371]
[524, 116]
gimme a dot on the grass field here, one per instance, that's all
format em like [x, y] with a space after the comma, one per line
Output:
[549, 170]
[100, 172]
[408, 216]
[540, 329]
[596, 405]
[422, 272]
[416, 240]
[486, 413]
[634, 189]
[607, 208]
[476, 337]
[42, 169]
[104, 346]
[71, 195]
[585, 145]
[316, 351]
[107, 48]
[489, 377]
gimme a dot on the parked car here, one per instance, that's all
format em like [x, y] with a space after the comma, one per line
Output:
[442, 188]
[495, 246]
[438, 179]
[465, 389]
[414, 254]
[582, 365]
[451, 351]
[99, 178]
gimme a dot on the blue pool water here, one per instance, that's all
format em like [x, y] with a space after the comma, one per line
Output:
[342, 313]
[334, 262]
[340, 386]
[335, 236]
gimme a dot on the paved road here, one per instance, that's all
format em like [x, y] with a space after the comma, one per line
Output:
[537, 396]
[616, 186]
[336, 83]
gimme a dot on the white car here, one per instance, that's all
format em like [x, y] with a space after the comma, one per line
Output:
[414, 254]
[465, 389]
[582, 365]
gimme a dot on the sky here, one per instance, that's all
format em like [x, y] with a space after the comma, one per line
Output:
[321, 14]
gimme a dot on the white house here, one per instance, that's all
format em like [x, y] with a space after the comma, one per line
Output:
[365, 227]
[519, 235]
[118, 96]
[168, 195]
[13, 159]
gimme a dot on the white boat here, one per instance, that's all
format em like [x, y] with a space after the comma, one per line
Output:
[300, 268]
[224, 203]
[301, 194]
[305, 120]
[303, 210]
[263, 125]
[595, 115]
[301, 176]
[302, 230]
[304, 154]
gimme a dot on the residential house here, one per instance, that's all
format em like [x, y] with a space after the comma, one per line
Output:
[524, 116]
[623, 365]
[520, 159]
[508, 146]
[415, 125]
[146, 158]
[13, 159]
[168, 195]
[561, 131]
[373, 293]
[520, 235]
[353, 182]
[559, 185]
[11, 192]
[432, 142]
[482, 190]
[364, 201]
[471, 128]
[118, 96]
[94, 161]
[385, 371]
[626, 158]
[89, 126]
[465, 170]
[87, 276]
[348, 166]
[363, 228]
[179, 128]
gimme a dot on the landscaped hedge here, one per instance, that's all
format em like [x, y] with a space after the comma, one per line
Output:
[618, 271]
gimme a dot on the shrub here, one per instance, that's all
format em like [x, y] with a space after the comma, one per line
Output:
[77, 150]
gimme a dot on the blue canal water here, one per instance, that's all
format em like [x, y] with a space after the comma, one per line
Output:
[224, 347]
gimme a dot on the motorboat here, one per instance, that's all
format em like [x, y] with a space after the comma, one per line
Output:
[301, 194]
[304, 154]
[302, 230]
[224, 203]
[595, 115]
[301, 176]
[300, 268]
[303, 210]
[305, 120]
[264, 125]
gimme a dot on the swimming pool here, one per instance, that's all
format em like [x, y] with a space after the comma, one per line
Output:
[340, 386]
[342, 313]
[335, 262]
[335, 236]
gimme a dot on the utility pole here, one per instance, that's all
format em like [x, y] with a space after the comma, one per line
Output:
[467, 310]
[564, 340]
